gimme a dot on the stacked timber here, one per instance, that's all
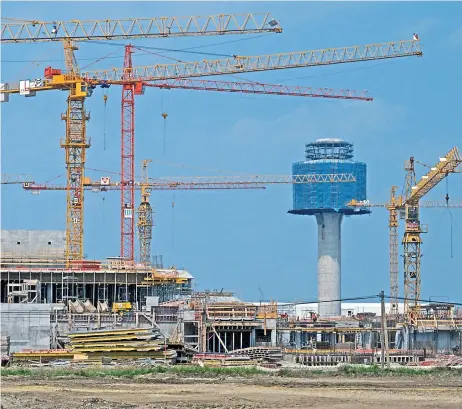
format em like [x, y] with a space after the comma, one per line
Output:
[213, 359]
[130, 343]
[270, 354]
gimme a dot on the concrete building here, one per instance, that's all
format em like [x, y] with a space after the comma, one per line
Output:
[28, 325]
[33, 242]
[327, 202]
[36, 257]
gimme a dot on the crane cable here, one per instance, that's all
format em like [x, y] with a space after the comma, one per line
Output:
[173, 221]
[105, 96]
[103, 209]
[450, 213]
[164, 114]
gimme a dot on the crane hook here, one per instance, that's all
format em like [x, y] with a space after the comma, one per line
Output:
[164, 115]
[105, 98]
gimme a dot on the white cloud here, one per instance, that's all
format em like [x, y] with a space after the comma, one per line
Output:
[349, 119]
[455, 38]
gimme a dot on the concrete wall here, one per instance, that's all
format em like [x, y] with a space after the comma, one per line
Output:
[301, 310]
[32, 241]
[28, 325]
[167, 328]
[440, 342]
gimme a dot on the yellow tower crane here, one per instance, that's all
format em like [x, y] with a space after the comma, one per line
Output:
[412, 240]
[408, 208]
[69, 32]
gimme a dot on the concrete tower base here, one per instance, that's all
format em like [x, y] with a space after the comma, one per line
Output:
[329, 263]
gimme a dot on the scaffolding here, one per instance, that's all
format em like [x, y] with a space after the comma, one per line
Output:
[113, 280]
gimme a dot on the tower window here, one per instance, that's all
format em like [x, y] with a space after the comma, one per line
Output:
[49, 243]
[18, 242]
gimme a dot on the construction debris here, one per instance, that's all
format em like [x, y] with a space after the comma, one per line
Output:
[5, 349]
[444, 361]
[212, 359]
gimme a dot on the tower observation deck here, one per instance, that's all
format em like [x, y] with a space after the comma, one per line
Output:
[328, 203]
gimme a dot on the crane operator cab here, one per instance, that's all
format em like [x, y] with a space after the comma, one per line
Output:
[412, 218]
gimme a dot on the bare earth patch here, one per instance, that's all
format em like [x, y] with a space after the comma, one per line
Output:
[161, 391]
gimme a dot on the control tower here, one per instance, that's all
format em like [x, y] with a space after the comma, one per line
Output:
[327, 201]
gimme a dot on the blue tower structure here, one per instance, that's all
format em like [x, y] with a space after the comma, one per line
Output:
[327, 202]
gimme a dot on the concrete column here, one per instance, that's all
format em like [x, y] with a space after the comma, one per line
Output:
[298, 340]
[49, 288]
[329, 263]
[273, 337]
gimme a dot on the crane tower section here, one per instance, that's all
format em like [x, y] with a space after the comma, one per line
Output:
[327, 202]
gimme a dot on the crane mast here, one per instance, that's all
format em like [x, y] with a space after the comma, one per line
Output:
[392, 207]
[145, 218]
[75, 145]
[128, 162]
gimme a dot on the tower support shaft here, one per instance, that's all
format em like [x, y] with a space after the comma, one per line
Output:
[329, 263]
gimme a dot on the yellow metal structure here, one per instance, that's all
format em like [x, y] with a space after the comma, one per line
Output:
[145, 219]
[75, 145]
[76, 142]
[238, 64]
[393, 207]
[121, 307]
[408, 207]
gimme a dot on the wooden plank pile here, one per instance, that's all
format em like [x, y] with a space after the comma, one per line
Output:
[129, 343]
[213, 359]
[269, 354]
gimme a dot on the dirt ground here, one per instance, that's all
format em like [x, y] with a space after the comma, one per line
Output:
[170, 392]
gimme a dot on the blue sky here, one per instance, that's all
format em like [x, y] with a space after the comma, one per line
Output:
[240, 240]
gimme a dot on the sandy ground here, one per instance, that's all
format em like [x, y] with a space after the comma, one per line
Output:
[169, 392]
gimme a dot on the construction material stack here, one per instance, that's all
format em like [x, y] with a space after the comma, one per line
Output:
[268, 354]
[120, 344]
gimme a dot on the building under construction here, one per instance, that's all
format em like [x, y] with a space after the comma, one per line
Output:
[33, 269]
[44, 300]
